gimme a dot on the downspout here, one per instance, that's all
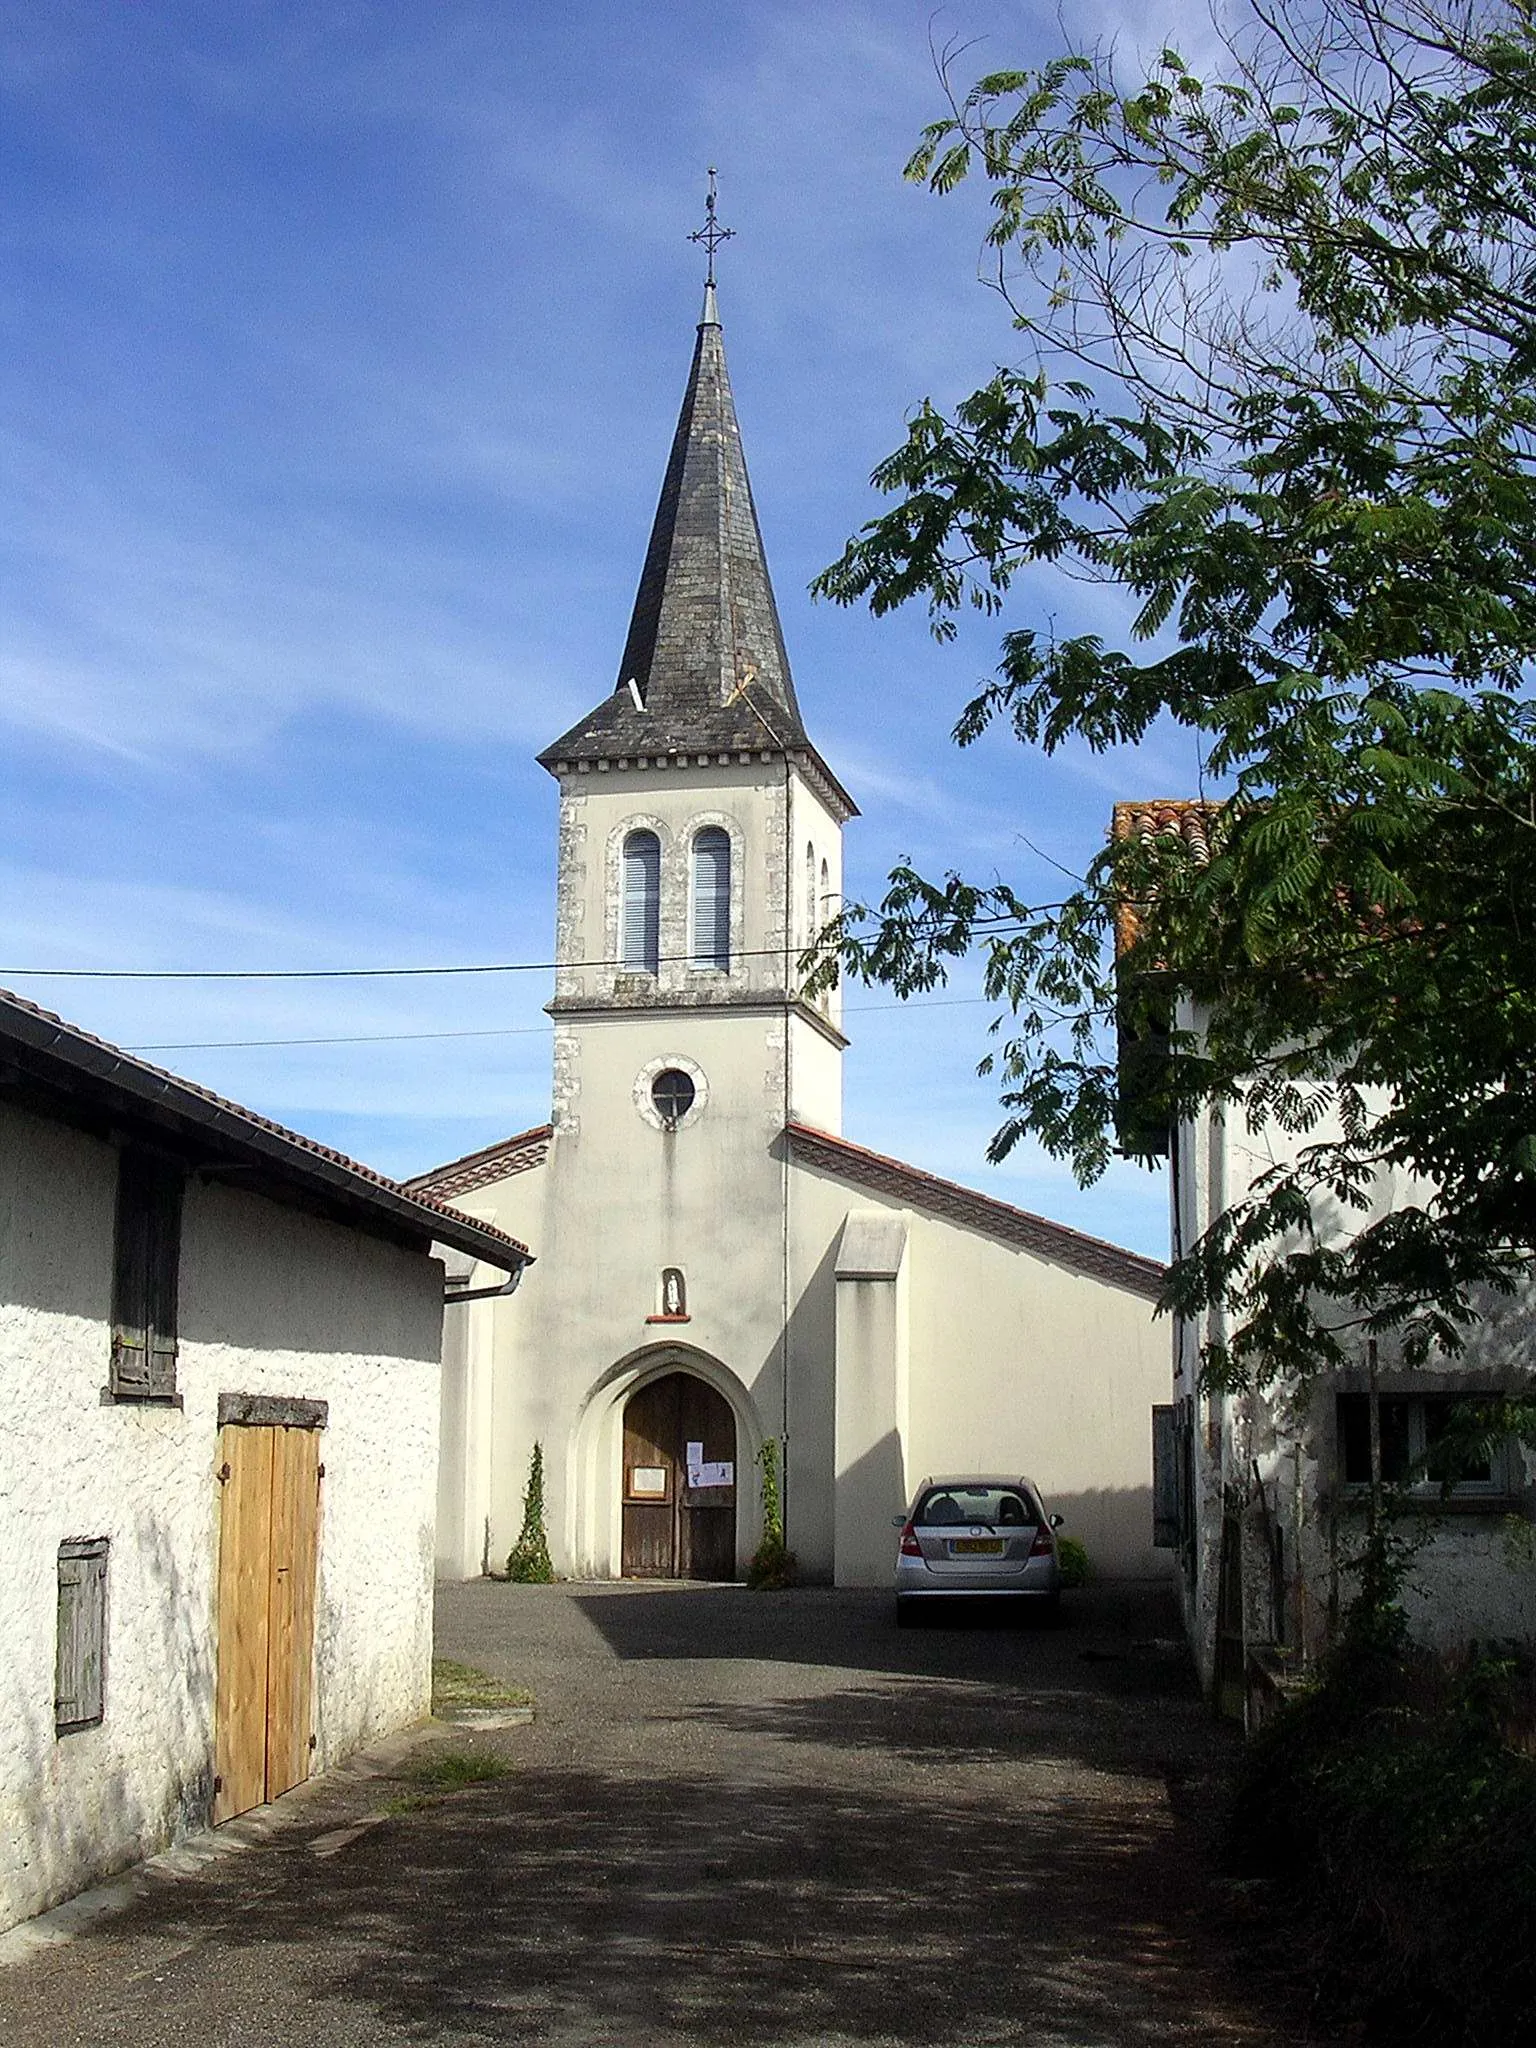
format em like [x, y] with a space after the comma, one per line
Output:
[789, 899]
[510, 1285]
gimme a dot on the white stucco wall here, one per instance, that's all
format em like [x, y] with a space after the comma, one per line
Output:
[272, 1301]
[1468, 1580]
[1017, 1363]
[997, 1358]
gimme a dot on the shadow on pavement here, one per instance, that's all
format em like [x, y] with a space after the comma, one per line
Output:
[570, 1907]
[1131, 1631]
[956, 1835]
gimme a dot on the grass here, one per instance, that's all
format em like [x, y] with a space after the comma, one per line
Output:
[450, 1770]
[461, 1685]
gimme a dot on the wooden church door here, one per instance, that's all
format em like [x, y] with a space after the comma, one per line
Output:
[679, 1482]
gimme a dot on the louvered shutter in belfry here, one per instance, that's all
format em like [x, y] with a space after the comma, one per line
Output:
[712, 899]
[642, 901]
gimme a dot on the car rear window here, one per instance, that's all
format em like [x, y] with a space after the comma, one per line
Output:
[997, 1506]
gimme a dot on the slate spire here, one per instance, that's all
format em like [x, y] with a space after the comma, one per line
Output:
[704, 665]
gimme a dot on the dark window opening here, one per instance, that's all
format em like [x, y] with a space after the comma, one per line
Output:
[673, 1093]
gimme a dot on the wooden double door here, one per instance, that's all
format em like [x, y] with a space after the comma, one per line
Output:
[679, 1482]
[268, 1548]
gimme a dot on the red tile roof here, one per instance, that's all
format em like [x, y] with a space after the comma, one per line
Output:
[1186, 819]
[481, 1169]
[92, 1068]
[1057, 1242]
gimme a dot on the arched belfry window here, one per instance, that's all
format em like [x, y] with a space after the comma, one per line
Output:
[640, 945]
[712, 898]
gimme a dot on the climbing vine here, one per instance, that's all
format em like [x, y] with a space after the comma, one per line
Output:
[528, 1562]
[772, 1564]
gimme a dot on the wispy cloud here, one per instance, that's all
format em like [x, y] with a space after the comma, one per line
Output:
[339, 353]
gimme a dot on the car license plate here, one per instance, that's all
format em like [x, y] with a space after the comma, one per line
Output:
[976, 1546]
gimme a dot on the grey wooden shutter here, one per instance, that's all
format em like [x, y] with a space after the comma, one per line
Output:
[146, 1260]
[1165, 1479]
[130, 1280]
[712, 898]
[163, 1273]
[642, 902]
[80, 1661]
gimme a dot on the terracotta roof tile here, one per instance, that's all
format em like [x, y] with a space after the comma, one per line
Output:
[480, 1169]
[94, 1064]
[1057, 1242]
[1186, 819]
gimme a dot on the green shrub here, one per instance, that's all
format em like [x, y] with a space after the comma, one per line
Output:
[528, 1561]
[772, 1566]
[1073, 1560]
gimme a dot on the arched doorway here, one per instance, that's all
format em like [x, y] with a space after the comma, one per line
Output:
[679, 1481]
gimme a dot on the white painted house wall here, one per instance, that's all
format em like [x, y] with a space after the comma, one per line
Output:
[271, 1301]
[1472, 1577]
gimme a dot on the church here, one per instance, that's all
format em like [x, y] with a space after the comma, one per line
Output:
[718, 1267]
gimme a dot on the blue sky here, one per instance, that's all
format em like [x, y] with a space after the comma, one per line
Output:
[340, 349]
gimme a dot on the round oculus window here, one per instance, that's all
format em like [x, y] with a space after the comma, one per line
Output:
[672, 1092]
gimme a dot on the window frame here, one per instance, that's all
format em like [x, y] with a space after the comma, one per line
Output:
[673, 1119]
[1416, 1405]
[146, 1280]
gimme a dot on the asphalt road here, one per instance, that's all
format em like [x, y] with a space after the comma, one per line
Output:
[773, 1820]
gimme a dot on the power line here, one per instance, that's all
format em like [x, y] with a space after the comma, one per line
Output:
[347, 1038]
[993, 928]
[504, 1031]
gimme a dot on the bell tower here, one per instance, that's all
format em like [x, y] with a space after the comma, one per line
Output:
[700, 830]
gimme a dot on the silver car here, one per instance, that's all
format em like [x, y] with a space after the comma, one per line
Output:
[977, 1538]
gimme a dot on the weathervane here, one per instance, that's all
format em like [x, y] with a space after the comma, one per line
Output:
[711, 234]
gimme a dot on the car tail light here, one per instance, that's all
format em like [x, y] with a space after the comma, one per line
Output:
[1044, 1544]
[910, 1547]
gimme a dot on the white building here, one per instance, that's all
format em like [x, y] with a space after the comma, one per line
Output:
[718, 1265]
[219, 1392]
[1267, 1491]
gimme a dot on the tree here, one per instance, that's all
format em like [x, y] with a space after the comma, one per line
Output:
[1280, 389]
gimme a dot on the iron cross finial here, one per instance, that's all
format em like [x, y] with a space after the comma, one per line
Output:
[711, 234]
